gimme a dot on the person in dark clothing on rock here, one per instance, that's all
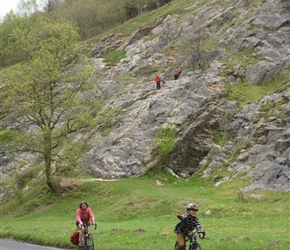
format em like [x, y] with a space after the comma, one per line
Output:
[177, 73]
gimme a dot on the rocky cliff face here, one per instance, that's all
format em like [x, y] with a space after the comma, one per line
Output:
[196, 104]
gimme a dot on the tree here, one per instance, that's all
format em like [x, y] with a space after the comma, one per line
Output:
[82, 12]
[25, 15]
[50, 5]
[27, 7]
[49, 94]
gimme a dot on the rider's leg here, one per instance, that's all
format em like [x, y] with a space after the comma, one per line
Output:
[180, 239]
[80, 236]
[80, 233]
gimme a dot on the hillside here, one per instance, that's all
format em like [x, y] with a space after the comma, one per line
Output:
[227, 114]
[219, 135]
[228, 110]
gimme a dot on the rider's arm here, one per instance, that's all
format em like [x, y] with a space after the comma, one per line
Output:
[198, 228]
[179, 215]
[92, 216]
[78, 216]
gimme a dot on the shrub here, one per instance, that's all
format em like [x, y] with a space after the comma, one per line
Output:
[112, 58]
[165, 138]
[6, 136]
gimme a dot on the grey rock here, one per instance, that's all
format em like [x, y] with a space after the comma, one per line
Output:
[195, 105]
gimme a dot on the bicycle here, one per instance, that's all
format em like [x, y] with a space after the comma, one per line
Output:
[87, 241]
[192, 238]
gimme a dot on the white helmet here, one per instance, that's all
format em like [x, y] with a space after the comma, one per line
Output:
[192, 206]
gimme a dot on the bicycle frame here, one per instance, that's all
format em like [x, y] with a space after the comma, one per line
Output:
[87, 238]
[192, 238]
[86, 228]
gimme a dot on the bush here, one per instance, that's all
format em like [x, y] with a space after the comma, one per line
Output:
[6, 136]
[165, 138]
[112, 58]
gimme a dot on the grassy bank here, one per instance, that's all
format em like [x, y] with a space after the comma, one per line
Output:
[138, 214]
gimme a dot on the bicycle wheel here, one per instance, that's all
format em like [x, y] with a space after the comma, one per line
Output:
[89, 242]
[81, 247]
[176, 243]
[195, 246]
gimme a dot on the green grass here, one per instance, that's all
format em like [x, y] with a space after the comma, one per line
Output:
[148, 19]
[245, 93]
[165, 139]
[6, 136]
[235, 221]
[112, 58]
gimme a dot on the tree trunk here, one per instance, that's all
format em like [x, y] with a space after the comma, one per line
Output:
[50, 181]
[54, 185]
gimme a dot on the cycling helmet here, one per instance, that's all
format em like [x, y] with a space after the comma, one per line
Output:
[84, 202]
[192, 206]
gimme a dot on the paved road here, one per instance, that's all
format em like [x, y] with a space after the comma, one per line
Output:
[17, 245]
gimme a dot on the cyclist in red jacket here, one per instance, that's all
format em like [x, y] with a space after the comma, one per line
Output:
[83, 216]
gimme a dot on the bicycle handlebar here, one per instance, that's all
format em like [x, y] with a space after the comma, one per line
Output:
[190, 233]
[89, 224]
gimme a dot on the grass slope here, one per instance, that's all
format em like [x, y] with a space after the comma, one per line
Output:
[124, 207]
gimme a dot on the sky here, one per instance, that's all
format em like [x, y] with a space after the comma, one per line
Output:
[7, 5]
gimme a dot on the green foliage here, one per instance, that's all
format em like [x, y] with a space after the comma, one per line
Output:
[11, 21]
[6, 136]
[243, 58]
[92, 17]
[50, 89]
[108, 120]
[112, 58]
[71, 153]
[265, 108]
[220, 140]
[165, 139]
[274, 109]
[245, 93]
[218, 173]
[173, 50]
[242, 145]
[145, 71]
[124, 77]
[24, 177]
[149, 18]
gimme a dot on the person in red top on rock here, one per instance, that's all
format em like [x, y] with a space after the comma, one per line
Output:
[158, 81]
[83, 216]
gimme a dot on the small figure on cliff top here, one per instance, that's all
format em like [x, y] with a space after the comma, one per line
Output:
[177, 73]
[158, 81]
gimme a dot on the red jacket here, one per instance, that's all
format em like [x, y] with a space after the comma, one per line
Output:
[84, 216]
[158, 79]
